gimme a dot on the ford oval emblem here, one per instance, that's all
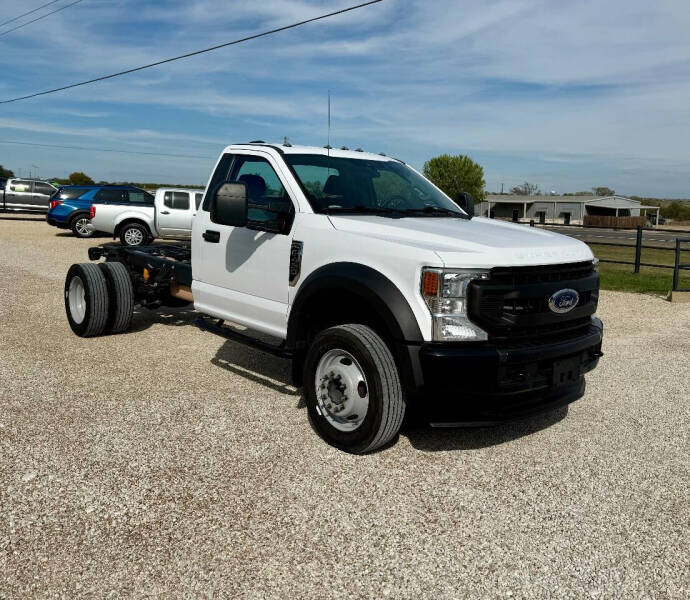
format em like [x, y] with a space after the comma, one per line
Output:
[564, 301]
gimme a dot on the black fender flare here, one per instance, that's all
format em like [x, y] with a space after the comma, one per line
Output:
[372, 286]
[376, 291]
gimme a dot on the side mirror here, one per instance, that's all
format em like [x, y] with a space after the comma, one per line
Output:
[229, 204]
[466, 202]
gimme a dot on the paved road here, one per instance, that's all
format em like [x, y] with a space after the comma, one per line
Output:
[168, 462]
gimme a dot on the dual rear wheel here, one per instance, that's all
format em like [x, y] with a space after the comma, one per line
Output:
[99, 298]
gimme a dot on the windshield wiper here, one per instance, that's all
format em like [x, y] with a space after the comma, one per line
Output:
[434, 210]
[362, 210]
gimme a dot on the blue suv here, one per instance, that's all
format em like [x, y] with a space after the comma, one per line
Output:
[71, 204]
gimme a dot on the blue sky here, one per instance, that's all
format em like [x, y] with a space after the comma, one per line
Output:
[565, 95]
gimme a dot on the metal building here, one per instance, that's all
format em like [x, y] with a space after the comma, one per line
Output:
[559, 209]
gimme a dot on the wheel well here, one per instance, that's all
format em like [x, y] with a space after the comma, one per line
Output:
[331, 307]
[77, 214]
[328, 308]
[128, 222]
[343, 292]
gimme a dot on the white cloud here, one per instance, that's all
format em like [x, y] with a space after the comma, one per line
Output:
[557, 83]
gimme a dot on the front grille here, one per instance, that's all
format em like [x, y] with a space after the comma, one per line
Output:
[542, 274]
[513, 303]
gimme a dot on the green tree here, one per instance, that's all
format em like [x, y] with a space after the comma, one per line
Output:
[456, 174]
[6, 172]
[79, 178]
[603, 191]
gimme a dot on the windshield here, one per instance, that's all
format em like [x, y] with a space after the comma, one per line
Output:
[354, 185]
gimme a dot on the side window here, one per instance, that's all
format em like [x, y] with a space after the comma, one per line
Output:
[19, 185]
[107, 196]
[176, 200]
[138, 197]
[43, 188]
[198, 197]
[263, 185]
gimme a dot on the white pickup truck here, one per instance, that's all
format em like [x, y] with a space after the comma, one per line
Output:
[138, 218]
[381, 290]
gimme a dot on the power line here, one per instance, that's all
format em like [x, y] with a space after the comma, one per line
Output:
[168, 60]
[28, 13]
[91, 149]
[39, 18]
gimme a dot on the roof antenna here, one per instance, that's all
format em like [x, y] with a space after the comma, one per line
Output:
[328, 143]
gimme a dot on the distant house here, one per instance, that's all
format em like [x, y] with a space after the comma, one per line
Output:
[559, 209]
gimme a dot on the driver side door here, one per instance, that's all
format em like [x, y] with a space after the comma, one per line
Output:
[243, 273]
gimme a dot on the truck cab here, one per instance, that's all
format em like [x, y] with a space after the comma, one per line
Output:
[174, 210]
[382, 291]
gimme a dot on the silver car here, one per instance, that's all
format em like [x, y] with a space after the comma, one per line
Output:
[26, 194]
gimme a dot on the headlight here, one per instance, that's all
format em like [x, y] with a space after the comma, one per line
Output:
[445, 293]
[595, 263]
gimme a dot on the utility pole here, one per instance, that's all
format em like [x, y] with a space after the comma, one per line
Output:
[37, 171]
[501, 188]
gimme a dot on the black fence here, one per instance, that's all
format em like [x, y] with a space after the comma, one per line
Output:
[677, 267]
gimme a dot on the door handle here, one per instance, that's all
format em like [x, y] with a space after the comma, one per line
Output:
[211, 236]
[165, 212]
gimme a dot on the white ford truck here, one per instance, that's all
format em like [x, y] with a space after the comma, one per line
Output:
[382, 291]
[138, 218]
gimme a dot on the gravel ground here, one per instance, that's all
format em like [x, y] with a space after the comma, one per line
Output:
[169, 462]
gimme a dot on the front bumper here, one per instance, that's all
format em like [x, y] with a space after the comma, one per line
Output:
[487, 383]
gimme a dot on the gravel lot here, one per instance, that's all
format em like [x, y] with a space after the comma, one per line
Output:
[169, 462]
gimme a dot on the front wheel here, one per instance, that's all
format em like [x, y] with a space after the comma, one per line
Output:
[134, 234]
[352, 388]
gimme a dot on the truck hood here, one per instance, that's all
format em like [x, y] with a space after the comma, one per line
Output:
[479, 242]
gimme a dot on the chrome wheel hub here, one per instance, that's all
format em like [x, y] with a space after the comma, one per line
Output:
[77, 299]
[342, 392]
[134, 237]
[84, 227]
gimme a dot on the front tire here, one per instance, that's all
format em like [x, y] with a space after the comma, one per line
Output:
[86, 299]
[134, 234]
[352, 389]
[81, 226]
